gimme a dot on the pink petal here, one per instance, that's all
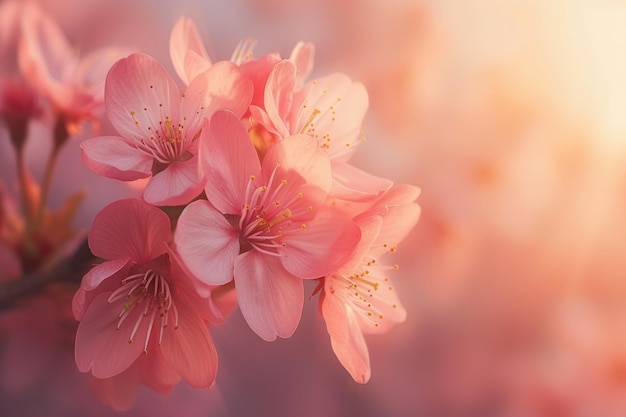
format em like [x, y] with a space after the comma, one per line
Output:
[207, 243]
[189, 348]
[187, 51]
[302, 56]
[44, 54]
[258, 70]
[397, 224]
[220, 87]
[105, 270]
[114, 157]
[100, 347]
[279, 95]
[350, 183]
[228, 160]
[342, 105]
[346, 338]
[138, 94]
[386, 307]
[156, 372]
[270, 298]
[398, 195]
[79, 304]
[129, 228]
[300, 158]
[370, 229]
[323, 246]
[120, 390]
[94, 67]
[176, 185]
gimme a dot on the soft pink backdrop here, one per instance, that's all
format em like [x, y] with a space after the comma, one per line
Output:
[510, 117]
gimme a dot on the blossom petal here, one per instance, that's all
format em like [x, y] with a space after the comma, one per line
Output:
[176, 185]
[350, 183]
[270, 298]
[341, 106]
[118, 391]
[279, 95]
[189, 348]
[138, 94]
[258, 70]
[206, 243]
[220, 87]
[44, 54]
[129, 228]
[303, 164]
[187, 52]
[100, 272]
[302, 56]
[346, 337]
[156, 372]
[320, 248]
[228, 160]
[99, 345]
[114, 157]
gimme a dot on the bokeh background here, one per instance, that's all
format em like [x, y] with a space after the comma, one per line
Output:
[511, 117]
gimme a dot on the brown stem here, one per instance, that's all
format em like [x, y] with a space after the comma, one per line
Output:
[69, 270]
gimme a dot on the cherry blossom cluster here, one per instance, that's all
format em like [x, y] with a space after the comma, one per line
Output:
[248, 192]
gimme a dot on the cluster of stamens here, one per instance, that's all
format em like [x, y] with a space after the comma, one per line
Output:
[365, 287]
[325, 117]
[166, 141]
[264, 214]
[146, 295]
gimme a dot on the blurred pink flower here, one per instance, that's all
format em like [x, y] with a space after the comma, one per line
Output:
[264, 224]
[140, 301]
[72, 84]
[159, 126]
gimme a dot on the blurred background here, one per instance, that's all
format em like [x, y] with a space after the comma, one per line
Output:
[511, 118]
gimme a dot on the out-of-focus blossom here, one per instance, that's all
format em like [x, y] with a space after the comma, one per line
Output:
[74, 85]
[159, 127]
[141, 319]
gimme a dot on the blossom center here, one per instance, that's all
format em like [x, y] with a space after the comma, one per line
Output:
[146, 295]
[167, 141]
[267, 211]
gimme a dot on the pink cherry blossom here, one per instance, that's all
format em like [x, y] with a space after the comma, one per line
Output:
[263, 224]
[359, 298]
[141, 320]
[331, 110]
[159, 126]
